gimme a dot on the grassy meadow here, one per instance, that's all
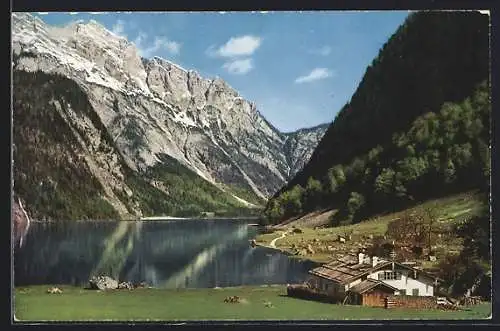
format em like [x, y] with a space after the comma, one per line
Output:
[76, 304]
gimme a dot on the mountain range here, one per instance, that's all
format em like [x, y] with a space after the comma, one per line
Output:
[100, 131]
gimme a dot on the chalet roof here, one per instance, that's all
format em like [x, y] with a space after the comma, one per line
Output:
[369, 284]
[345, 272]
[341, 272]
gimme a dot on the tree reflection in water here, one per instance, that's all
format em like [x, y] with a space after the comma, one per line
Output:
[184, 253]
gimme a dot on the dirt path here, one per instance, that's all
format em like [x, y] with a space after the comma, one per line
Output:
[273, 242]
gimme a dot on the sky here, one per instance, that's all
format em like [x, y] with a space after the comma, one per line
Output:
[299, 68]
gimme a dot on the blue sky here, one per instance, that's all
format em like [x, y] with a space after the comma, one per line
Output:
[300, 68]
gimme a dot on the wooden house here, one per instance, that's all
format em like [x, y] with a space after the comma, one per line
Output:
[368, 280]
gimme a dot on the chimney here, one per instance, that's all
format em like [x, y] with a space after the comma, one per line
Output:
[361, 258]
[374, 261]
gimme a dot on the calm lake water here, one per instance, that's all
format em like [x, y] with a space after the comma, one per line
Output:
[168, 254]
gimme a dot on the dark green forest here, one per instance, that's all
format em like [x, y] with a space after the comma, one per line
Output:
[417, 127]
[472, 266]
[189, 194]
[49, 168]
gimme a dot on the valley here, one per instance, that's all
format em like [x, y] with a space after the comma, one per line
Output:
[217, 200]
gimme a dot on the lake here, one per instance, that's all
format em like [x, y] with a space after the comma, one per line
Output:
[166, 254]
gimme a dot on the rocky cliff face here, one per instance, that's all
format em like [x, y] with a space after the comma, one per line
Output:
[298, 145]
[152, 108]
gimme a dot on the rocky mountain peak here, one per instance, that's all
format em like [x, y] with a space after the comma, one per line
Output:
[153, 107]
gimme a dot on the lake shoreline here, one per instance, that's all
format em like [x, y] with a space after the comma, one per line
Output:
[291, 255]
[156, 219]
[173, 218]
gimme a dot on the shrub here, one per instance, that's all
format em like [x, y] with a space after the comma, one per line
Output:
[355, 203]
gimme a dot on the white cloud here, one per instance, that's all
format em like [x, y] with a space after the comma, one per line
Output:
[119, 28]
[43, 13]
[324, 51]
[160, 43]
[315, 74]
[73, 13]
[171, 46]
[238, 67]
[238, 46]
[98, 12]
[138, 41]
[76, 21]
[237, 50]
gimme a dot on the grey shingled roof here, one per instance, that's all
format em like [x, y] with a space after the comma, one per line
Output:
[342, 272]
[369, 284]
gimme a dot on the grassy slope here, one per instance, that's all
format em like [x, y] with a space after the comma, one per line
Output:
[188, 194]
[448, 210]
[76, 304]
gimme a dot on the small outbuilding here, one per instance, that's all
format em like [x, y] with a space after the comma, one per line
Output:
[371, 293]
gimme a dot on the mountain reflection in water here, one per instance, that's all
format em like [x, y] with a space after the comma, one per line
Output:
[170, 254]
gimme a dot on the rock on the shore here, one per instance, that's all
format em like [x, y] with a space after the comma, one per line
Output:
[103, 283]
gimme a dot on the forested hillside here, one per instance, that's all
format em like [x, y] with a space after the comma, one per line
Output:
[417, 127]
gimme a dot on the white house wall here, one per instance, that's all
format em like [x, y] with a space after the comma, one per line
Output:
[351, 284]
[408, 283]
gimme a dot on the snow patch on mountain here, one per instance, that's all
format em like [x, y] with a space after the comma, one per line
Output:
[153, 106]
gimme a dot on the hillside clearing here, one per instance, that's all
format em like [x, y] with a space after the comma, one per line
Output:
[324, 240]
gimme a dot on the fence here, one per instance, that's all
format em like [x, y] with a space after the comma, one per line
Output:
[306, 293]
[470, 301]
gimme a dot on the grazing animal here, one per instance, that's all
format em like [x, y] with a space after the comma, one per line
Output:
[268, 304]
[232, 299]
[54, 290]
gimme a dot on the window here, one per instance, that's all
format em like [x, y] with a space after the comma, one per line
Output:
[402, 292]
[389, 275]
[414, 292]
